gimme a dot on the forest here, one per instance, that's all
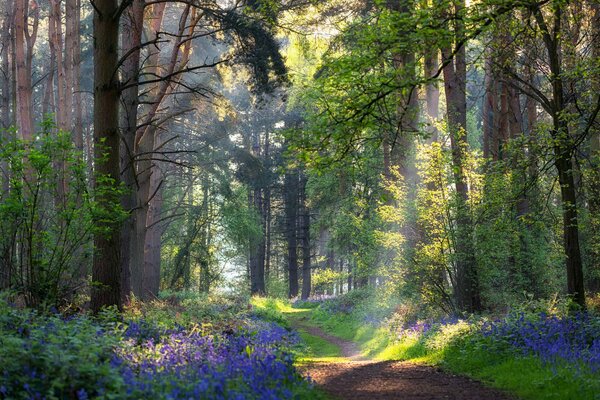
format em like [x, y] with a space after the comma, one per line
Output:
[300, 199]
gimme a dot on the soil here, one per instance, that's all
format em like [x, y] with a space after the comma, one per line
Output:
[360, 378]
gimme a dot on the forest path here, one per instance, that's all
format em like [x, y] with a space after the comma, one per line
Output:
[355, 377]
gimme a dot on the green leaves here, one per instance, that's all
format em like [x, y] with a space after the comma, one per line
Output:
[46, 209]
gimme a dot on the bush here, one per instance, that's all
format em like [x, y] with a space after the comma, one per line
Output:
[48, 217]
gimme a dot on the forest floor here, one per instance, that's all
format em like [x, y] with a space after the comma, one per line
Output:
[353, 376]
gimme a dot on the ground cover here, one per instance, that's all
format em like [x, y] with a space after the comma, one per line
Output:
[168, 350]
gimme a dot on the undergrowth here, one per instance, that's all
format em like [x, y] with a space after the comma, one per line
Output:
[179, 347]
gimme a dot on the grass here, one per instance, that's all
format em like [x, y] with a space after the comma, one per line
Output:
[451, 349]
[314, 348]
[317, 349]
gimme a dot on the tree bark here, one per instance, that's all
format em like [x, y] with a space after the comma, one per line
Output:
[23, 48]
[257, 249]
[106, 273]
[5, 86]
[467, 290]
[143, 150]
[563, 156]
[594, 143]
[305, 228]
[291, 212]
[152, 244]
[131, 39]
[72, 60]
[432, 92]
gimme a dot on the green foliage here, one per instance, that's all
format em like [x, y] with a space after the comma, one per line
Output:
[142, 353]
[271, 309]
[48, 216]
[326, 278]
[242, 223]
[62, 349]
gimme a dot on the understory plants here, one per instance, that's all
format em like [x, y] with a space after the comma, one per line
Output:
[146, 353]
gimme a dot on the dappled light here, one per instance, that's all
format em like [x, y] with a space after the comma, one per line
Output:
[299, 199]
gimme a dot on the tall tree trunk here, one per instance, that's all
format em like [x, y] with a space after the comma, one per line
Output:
[77, 100]
[204, 274]
[131, 39]
[291, 211]
[489, 110]
[5, 79]
[257, 266]
[266, 210]
[152, 245]
[71, 31]
[56, 33]
[23, 69]
[143, 150]
[180, 55]
[5, 123]
[106, 272]
[594, 187]
[56, 50]
[563, 155]
[305, 228]
[467, 283]
[432, 91]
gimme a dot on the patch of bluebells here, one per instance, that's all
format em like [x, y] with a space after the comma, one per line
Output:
[574, 339]
[337, 306]
[423, 327]
[77, 358]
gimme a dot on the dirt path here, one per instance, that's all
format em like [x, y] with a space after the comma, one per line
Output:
[360, 378]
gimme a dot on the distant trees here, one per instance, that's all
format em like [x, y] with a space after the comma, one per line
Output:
[528, 118]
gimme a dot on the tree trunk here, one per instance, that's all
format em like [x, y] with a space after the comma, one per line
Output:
[73, 50]
[489, 110]
[291, 212]
[305, 228]
[432, 92]
[106, 273]
[143, 150]
[131, 39]
[152, 245]
[23, 69]
[266, 210]
[5, 95]
[257, 251]
[467, 283]
[55, 32]
[563, 157]
[71, 31]
[594, 187]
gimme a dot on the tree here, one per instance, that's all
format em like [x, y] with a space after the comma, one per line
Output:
[291, 232]
[304, 217]
[106, 272]
[455, 80]
[24, 42]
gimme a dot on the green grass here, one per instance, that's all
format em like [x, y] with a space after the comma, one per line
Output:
[450, 348]
[453, 349]
[317, 349]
